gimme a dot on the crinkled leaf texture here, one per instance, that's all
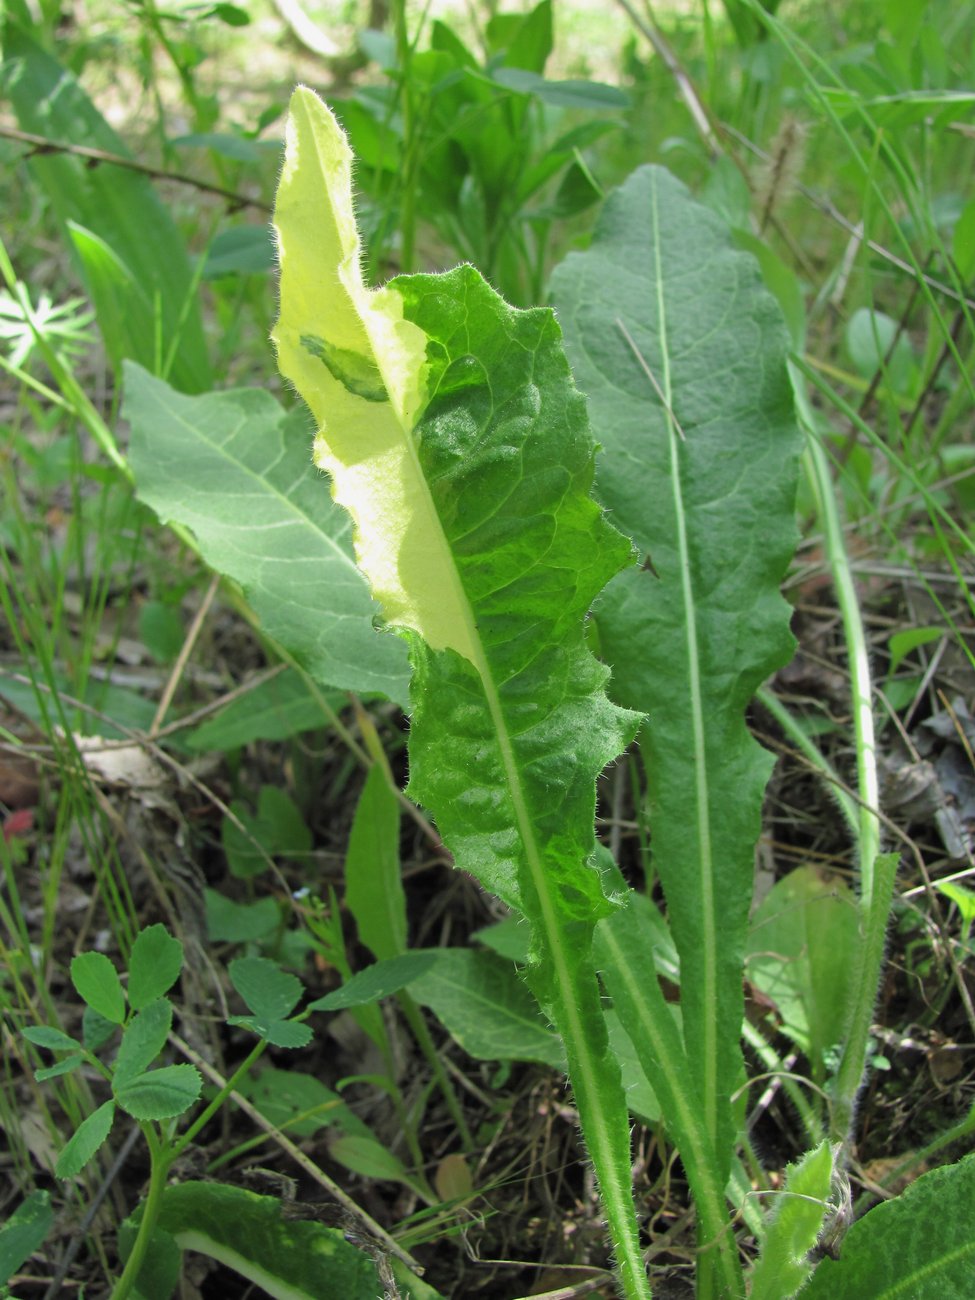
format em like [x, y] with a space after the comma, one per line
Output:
[682, 353]
[457, 440]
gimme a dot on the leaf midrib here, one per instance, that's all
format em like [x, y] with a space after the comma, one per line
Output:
[709, 1028]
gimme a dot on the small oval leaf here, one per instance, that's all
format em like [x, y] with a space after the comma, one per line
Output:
[154, 967]
[90, 1135]
[96, 982]
[160, 1094]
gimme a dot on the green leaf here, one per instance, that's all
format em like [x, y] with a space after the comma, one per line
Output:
[96, 1031]
[230, 922]
[876, 342]
[280, 1033]
[154, 965]
[24, 1232]
[269, 992]
[373, 887]
[278, 828]
[380, 980]
[55, 1040]
[802, 950]
[96, 982]
[370, 1159]
[244, 250]
[234, 469]
[159, 1094]
[918, 1246]
[143, 1039]
[67, 1065]
[901, 644]
[469, 487]
[288, 1258]
[274, 710]
[299, 1103]
[86, 1140]
[125, 314]
[487, 1007]
[125, 220]
[682, 353]
[794, 1227]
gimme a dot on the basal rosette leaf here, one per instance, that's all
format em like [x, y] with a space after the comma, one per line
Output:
[456, 438]
[682, 354]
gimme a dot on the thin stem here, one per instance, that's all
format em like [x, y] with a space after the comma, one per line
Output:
[161, 1157]
[224, 1092]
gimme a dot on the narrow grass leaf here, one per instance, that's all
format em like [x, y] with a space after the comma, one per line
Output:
[160, 1094]
[918, 1246]
[154, 965]
[235, 469]
[24, 1232]
[682, 353]
[85, 1141]
[456, 439]
[97, 982]
[143, 1039]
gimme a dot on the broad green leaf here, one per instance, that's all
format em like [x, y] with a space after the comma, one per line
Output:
[159, 1094]
[85, 1141]
[96, 982]
[269, 992]
[244, 250]
[682, 354]
[373, 887]
[919, 1246]
[276, 709]
[802, 950]
[456, 439]
[55, 1040]
[235, 469]
[901, 644]
[143, 1039]
[380, 980]
[24, 1232]
[487, 1007]
[287, 1258]
[96, 1031]
[117, 206]
[794, 1226]
[154, 965]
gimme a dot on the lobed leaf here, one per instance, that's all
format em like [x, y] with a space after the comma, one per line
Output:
[456, 439]
[682, 353]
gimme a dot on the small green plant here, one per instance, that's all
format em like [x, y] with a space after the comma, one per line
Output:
[126, 1027]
